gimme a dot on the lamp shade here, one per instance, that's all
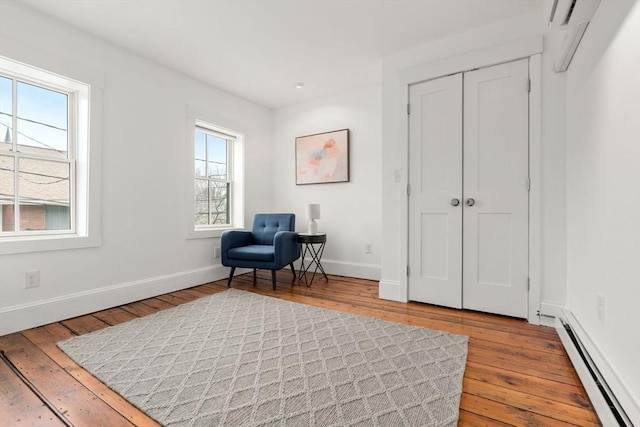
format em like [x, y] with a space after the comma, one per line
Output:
[313, 211]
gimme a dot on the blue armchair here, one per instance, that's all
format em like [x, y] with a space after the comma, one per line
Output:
[271, 245]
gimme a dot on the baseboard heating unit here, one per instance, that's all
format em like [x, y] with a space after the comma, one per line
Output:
[608, 406]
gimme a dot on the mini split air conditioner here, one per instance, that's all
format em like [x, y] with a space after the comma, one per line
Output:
[570, 19]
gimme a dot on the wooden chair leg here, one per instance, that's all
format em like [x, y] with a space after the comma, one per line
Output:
[233, 269]
[254, 276]
[273, 279]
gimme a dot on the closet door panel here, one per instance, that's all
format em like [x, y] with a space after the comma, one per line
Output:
[495, 186]
[435, 176]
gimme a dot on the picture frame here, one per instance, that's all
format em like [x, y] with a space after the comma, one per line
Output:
[322, 158]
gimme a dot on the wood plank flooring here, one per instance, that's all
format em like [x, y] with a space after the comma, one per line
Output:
[516, 374]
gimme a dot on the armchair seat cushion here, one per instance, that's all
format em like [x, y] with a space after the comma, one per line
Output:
[253, 253]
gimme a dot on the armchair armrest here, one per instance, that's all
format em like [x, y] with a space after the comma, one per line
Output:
[286, 247]
[230, 239]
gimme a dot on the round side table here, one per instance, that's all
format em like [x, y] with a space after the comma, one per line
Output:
[312, 245]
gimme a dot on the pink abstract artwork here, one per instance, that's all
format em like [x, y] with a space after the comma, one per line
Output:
[323, 158]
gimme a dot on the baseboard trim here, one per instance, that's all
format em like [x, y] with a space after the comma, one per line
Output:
[350, 269]
[391, 290]
[37, 313]
[607, 377]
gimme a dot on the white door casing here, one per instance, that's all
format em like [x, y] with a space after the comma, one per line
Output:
[470, 146]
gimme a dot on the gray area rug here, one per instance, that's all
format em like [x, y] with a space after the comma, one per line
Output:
[241, 359]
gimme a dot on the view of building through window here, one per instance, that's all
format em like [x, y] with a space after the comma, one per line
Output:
[212, 178]
[36, 157]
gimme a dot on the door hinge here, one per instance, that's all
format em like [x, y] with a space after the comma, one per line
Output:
[528, 184]
[408, 190]
[528, 283]
[529, 86]
[408, 270]
[408, 109]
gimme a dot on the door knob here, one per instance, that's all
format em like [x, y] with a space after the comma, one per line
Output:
[455, 202]
[469, 202]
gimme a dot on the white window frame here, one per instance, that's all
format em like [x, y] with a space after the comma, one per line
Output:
[208, 129]
[72, 90]
[85, 185]
[235, 156]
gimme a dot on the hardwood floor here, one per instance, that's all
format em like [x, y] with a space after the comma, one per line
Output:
[517, 374]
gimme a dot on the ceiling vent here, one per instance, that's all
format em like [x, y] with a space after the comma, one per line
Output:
[570, 18]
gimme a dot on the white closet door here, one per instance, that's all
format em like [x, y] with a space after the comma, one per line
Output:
[496, 170]
[435, 168]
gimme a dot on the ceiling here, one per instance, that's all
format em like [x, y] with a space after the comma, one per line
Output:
[258, 49]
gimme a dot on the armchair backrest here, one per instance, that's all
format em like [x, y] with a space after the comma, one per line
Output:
[266, 225]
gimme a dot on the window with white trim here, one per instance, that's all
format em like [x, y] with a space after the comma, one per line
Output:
[213, 178]
[40, 132]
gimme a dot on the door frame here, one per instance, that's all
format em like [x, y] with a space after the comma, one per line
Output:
[528, 48]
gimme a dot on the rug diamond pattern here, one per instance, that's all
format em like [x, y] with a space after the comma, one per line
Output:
[239, 358]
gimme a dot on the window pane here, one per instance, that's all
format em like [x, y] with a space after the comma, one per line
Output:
[42, 121]
[201, 168]
[6, 113]
[42, 185]
[201, 146]
[217, 148]
[201, 154]
[219, 202]
[202, 202]
[217, 170]
[7, 182]
[57, 217]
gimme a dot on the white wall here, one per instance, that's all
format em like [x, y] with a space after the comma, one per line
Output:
[145, 170]
[459, 53]
[603, 189]
[351, 212]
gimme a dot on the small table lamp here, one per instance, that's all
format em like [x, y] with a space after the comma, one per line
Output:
[313, 213]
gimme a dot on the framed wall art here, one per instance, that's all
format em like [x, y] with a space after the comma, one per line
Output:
[322, 158]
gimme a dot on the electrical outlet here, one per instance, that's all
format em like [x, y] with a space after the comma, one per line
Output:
[216, 252]
[31, 279]
[600, 307]
[368, 248]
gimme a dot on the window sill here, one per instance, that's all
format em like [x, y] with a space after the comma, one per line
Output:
[21, 245]
[209, 233]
